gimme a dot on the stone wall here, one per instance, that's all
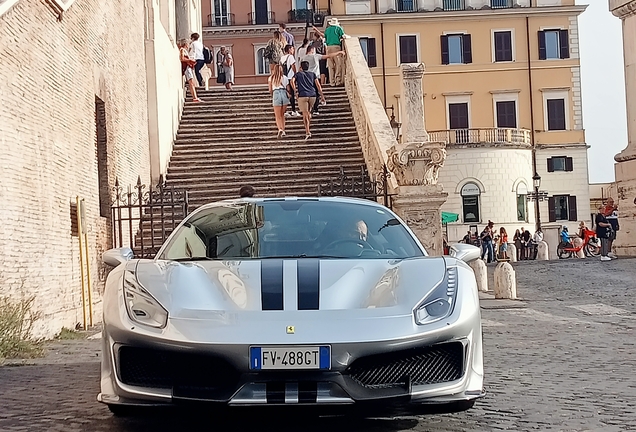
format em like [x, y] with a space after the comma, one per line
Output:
[51, 73]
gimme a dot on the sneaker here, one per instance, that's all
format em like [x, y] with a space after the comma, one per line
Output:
[295, 114]
[315, 113]
[280, 133]
[605, 258]
[611, 255]
[323, 103]
[283, 134]
[307, 137]
[287, 115]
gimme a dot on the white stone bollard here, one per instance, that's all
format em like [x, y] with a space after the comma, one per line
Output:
[505, 282]
[512, 252]
[481, 274]
[579, 242]
[542, 251]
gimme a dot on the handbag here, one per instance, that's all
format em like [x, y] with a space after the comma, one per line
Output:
[220, 78]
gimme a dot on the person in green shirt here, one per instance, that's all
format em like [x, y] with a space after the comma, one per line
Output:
[336, 64]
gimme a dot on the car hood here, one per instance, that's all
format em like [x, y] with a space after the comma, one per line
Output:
[194, 289]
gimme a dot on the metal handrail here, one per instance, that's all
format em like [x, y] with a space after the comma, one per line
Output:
[500, 4]
[454, 5]
[251, 18]
[406, 5]
[215, 20]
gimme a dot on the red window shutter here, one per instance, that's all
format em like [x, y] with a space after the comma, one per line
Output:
[551, 209]
[572, 211]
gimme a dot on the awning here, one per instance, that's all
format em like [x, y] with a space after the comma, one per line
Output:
[449, 217]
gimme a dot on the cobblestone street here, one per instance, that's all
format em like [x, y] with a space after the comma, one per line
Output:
[562, 359]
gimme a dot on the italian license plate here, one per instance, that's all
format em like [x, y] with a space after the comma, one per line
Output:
[290, 357]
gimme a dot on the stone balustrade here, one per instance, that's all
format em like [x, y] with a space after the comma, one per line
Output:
[484, 136]
[372, 123]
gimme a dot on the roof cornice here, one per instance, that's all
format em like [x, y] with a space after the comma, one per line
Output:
[250, 30]
[465, 14]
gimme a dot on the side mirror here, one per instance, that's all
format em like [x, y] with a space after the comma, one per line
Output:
[465, 252]
[115, 257]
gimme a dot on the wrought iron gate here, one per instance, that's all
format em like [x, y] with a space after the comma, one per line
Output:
[143, 219]
[360, 186]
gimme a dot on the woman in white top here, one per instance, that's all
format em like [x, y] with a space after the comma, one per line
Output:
[278, 83]
[187, 68]
[302, 51]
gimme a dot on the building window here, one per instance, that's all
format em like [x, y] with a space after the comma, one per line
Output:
[470, 202]
[500, 4]
[560, 163]
[556, 114]
[221, 13]
[456, 49]
[408, 49]
[553, 44]
[262, 64]
[562, 207]
[503, 46]
[368, 49]
[405, 5]
[453, 5]
[522, 202]
[101, 144]
[506, 114]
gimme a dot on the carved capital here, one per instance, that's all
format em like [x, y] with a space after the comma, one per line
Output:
[414, 71]
[417, 164]
[623, 8]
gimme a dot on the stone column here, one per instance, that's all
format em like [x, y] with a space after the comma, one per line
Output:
[415, 164]
[625, 168]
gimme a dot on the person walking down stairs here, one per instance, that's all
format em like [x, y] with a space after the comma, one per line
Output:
[278, 84]
[187, 68]
[305, 84]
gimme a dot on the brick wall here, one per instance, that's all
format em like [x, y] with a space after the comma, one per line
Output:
[50, 75]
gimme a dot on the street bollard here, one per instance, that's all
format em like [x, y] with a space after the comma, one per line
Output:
[505, 282]
[481, 274]
[542, 251]
[512, 252]
[578, 242]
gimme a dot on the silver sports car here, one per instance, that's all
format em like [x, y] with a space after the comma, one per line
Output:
[292, 301]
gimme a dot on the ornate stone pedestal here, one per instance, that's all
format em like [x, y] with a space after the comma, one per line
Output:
[625, 168]
[415, 165]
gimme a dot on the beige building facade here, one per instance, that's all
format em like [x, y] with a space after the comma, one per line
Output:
[502, 89]
[91, 91]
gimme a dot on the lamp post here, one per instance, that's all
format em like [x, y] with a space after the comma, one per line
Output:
[536, 182]
[395, 125]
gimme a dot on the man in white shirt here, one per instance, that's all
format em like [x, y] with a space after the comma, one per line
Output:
[196, 52]
[288, 61]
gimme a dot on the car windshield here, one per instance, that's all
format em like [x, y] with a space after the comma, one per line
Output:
[291, 229]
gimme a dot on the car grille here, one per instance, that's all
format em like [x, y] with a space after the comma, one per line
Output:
[430, 365]
[188, 374]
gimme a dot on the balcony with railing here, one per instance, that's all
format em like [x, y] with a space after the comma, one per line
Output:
[215, 20]
[454, 5]
[254, 18]
[483, 136]
[500, 4]
[300, 16]
[406, 6]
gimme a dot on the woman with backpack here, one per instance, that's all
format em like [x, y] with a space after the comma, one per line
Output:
[274, 50]
[278, 84]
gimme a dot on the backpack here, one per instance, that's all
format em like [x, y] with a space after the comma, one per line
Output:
[207, 55]
[268, 52]
[285, 67]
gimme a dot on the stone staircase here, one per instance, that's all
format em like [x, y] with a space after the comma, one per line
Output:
[229, 140]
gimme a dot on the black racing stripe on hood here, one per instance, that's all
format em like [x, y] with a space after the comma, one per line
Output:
[308, 284]
[272, 284]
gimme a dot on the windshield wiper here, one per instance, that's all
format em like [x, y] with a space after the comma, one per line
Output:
[193, 259]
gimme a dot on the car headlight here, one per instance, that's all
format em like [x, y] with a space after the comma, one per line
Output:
[142, 307]
[440, 303]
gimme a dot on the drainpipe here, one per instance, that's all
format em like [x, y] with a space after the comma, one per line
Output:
[383, 62]
[532, 136]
